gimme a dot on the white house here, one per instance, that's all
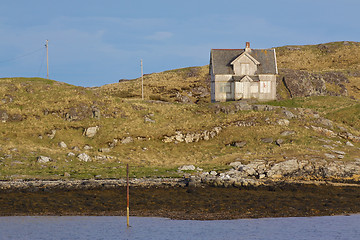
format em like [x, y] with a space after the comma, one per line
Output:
[243, 74]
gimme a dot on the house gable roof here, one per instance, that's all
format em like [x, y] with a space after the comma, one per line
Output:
[221, 59]
[246, 78]
[243, 55]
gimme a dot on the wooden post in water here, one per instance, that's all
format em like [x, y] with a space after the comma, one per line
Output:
[127, 195]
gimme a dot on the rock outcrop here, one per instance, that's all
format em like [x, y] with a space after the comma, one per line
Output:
[251, 173]
[302, 83]
[81, 112]
[192, 136]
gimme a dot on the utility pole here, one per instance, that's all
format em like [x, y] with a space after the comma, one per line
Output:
[142, 81]
[47, 58]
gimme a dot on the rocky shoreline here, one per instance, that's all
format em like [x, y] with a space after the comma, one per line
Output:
[186, 183]
[261, 172]
[178, 199]
[255, 189]
[37, 185]
[252, 174]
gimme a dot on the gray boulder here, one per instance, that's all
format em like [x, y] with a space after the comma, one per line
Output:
[288, 114]
[326, 122]
[105, 150]
[189, 138]
[84, 157]
[213, 173]
[279, 142]
[283, 122]
[127, 140]
[43, 159]
[91, 131]
[183, 98]
[87, 147]
[52, 133]
[147, 118]
[339, 152]
[283, 168]
[267, 140]
[3, 115]
[324, 131]
[330, 156]
[75, 148]
[243, 106]
[71, 154]
[62, 145]
[287, 133]
[96, 113]
[187, 168]
[236, 165]
[168, 139]
[239, 144]
[249, 170]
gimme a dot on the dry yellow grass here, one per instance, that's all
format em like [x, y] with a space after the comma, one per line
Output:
[37, 106]
[162, 86]
[339, 56]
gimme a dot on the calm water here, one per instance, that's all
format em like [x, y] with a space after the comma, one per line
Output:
[335, 227]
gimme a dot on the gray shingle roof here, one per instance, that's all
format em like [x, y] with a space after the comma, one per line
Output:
[220, 60]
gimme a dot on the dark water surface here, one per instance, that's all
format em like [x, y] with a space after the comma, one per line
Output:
[110, 227]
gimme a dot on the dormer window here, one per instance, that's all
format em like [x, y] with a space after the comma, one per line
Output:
[244, 64]
[244, 69]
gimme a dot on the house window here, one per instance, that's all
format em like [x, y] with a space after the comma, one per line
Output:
[244, 69]
[225, 87]
[265, 86]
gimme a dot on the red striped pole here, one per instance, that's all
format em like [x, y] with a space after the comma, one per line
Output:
[127, 195]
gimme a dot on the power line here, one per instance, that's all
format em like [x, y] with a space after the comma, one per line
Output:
[42, 62]
[22, 56]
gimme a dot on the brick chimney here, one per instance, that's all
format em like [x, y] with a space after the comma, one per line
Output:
[247, 49]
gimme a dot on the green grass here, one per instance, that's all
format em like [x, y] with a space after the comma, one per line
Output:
[320, 103]
[348, 115]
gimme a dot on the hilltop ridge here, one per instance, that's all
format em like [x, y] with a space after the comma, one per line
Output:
[53, 130]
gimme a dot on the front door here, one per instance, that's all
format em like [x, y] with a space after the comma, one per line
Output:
[246, 90]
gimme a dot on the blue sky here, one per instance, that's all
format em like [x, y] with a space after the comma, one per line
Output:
[92, 43]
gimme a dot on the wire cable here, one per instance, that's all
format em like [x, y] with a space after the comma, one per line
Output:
[42, 62]
[22, 56]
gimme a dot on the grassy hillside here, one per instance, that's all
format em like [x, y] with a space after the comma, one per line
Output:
[38, 114]
[188, 85]
[340, 57]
